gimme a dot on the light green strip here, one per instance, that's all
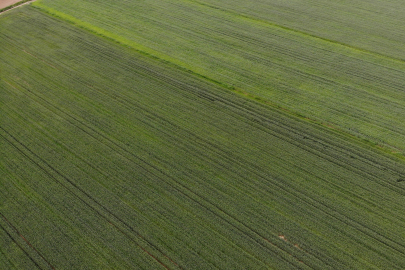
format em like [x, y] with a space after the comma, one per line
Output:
[118, 39]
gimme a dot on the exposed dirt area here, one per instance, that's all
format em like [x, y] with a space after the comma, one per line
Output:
[6, 3]
[282, 237]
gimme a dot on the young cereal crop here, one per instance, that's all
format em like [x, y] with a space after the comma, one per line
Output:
[351, 79]
[113, 159]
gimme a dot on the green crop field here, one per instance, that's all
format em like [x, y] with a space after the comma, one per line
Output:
[257, 48]
[372, 25]
[129, 139]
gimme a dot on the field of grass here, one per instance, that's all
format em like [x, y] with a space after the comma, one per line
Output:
[355, 88]
[112, 159]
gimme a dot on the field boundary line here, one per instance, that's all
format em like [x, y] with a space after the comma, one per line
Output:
[132, 45]
[16, 5]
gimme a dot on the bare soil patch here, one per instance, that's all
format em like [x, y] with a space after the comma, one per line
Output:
[282, 237]
[6, 3]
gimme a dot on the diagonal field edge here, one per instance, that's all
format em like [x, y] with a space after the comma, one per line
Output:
[195, 71]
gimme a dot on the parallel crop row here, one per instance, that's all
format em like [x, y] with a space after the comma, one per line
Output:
[134, 163]
[355, 91]
[366, 25]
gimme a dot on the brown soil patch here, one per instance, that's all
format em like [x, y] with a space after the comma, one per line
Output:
[6, 3]
[282, 237]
